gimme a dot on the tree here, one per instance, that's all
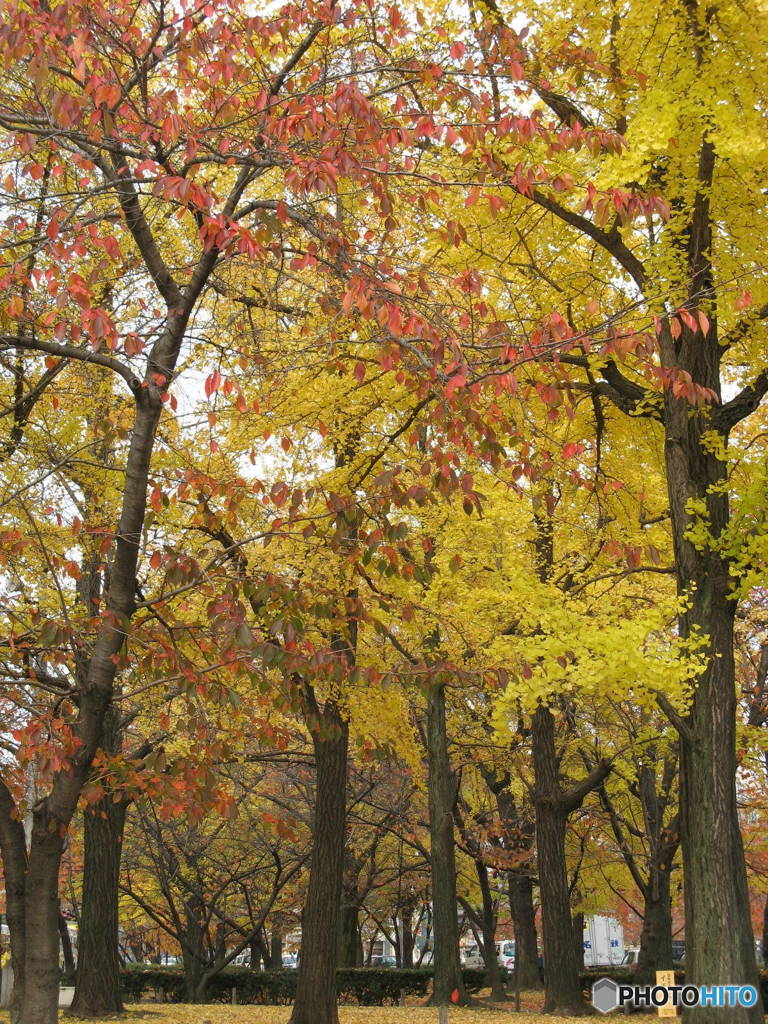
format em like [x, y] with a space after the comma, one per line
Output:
[105, 116]
[676, 361]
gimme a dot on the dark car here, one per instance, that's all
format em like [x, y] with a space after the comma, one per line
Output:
[383, 961]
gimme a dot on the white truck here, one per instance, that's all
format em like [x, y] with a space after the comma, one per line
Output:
[603, 942]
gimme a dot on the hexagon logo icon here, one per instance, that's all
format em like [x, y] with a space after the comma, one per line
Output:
[605, 995]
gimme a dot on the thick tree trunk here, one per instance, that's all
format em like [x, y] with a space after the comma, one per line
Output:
[98, 990]
[493, 972]
[720, 945]
[765, 932]
[563, 993]
[656, 936]
[40, 996]
[316, 988]
[524, 922]
[14, 852]
[448, 984]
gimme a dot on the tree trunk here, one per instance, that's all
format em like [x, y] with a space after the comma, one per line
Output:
[276, 947]
[193, 950]
[524, 921]
[448, 984]
[656, 937]
[720, 945]
[316, 987]
[563, 993]
[493, 972]
[40, 995]
[98, 990]
[407, 939]
[350, 947]
[13, 846]
[578, 940]
[68, 954]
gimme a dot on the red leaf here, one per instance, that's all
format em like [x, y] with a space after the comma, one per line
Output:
[455, 996]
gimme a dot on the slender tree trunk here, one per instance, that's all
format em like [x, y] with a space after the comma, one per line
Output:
[563, 993]
[70, 967]
[578, 940]
[407, 937]
[524, 921]
[316, 988]
[276, 947]
[656, 937]
[350, 947]
[493, 973]
[448, 984]
[193, 950]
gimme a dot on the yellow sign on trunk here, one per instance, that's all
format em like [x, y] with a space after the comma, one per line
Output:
[666, 978]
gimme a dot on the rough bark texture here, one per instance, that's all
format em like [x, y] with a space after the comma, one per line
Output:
[316, 988]
[97, 988]
[656, 937]
[524, 921]
[561, 971]
[350, 946]
[443, 788]
[719, 942]
[14, 852]
[493, 974]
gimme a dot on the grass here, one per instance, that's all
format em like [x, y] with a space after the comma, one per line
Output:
[148, 1013]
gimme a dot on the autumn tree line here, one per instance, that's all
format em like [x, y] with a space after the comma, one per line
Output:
[383, 482]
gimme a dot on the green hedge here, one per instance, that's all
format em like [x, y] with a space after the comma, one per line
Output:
[367, 986]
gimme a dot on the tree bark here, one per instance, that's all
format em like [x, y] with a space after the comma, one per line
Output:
[656, 937]
[524, 922]
[720, 945]
[68, 954]
[193, 950]
[350, 946]
[40, 995]
[493, 973]
[276, 947]
[448, 984]
[98, 990]
[563, 993]
[13, 846]
[407, 938]
[316, 987]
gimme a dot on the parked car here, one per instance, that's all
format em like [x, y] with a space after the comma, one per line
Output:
[505, 951]
[383, 961]
[290, 960]
[473, 958]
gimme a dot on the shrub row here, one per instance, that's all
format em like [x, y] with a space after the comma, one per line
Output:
[367, 986]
